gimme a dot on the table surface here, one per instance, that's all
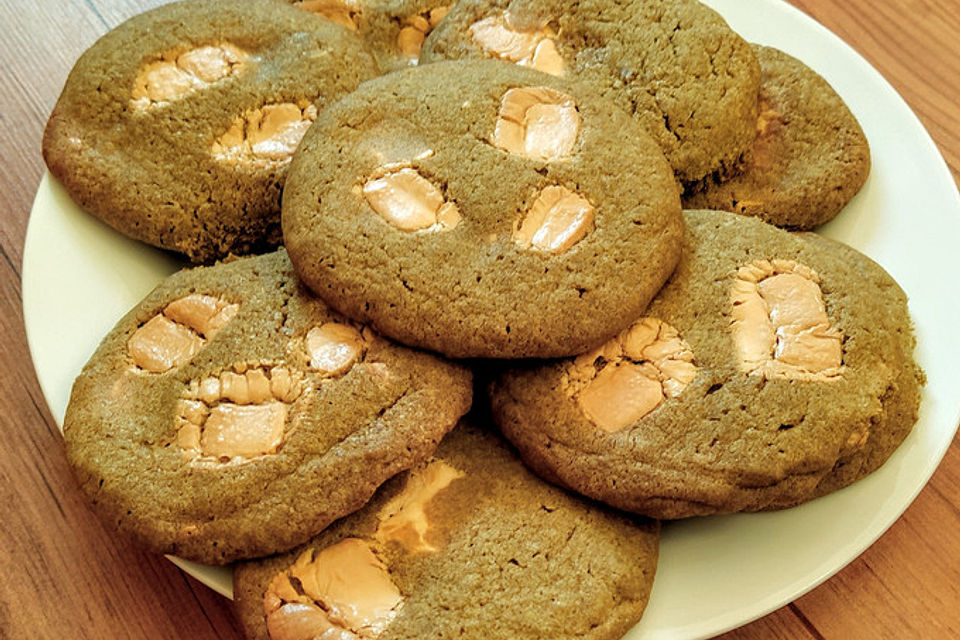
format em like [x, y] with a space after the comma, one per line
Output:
[65, 576]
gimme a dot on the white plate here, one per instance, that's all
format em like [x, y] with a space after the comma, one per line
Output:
[80, 277]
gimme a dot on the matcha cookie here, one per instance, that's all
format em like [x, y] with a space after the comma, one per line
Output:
[480, 209]
[810, 156]
[674, 64]
[899, 411]
[393, 30]
[771, 369]
[177, 127]
[231, 414]
[468, 545]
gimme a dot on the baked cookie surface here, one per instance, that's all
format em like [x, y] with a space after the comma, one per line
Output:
[480, 209]
[469, 544]
[771, 369]
[176, 128]
[900, 406]
[393, 30]
[231, 414]
[810, 156]
[688, 78]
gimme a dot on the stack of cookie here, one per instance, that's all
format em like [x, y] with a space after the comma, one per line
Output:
[497, 183]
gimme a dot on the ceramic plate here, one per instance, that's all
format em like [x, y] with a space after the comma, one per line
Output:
[80, 277]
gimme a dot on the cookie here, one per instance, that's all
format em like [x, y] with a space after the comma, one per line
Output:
[810, 156]
[771, 369]
[393, 30]
[675, 65]
[899, 412]
[177, 127]
[231, 414]
[467, 545]
[480, 209]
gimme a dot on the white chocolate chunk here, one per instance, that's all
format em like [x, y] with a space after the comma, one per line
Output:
[233, 387]
[299, 621]
[415, 30]
[188, 437]
[243, 430]
[437, 14]
[341, 12]
[858, 439]
[639, 336]
[676, 375]
[283, 385]
[530, 48]
[162, 82]
[642, 366]
[547, 59]
[265, 136]
[258, 386]
[175, 76]
[410, 202]
[557, 220]
[204, 314]
[780, 324]
[620, 395]
[404, 519]
[237, 415]
[419, 22]
[493, 34]
[162, 344]
[346, 581]
[448, 215]
[279, 131]
[334, 348]
[405, 199]
[207, 63]
[768, 119]
[537, 122]
[209, 390]
[172, 337]
[194, 411]
[410, 41]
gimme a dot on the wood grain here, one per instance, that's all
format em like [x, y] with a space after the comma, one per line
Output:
[64, 576]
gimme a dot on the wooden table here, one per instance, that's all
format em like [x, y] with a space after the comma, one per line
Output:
[64, 576]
